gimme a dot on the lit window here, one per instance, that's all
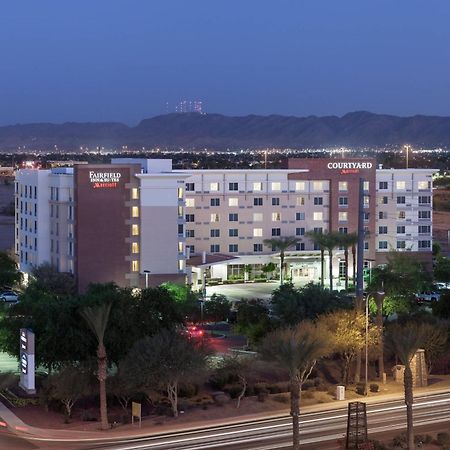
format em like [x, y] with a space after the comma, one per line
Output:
[214, 187]
[134, 247]
[400, 185]
[257, 217]
[343, 186]
[234, 201]
[257, 232]
[343, 216]
[366, 200]
[366, 185]
[190, 202]
[317, 185]
[424, 185]
[300, 185]
[180, 247]
[180, 264]
[134, 211]
[135, 230]
[180, 193]
[135, 266]
[318, 215]
[257, 186]
[276, 216]
[214, 217]
[276, 186]
[299, 201]
[134, 193]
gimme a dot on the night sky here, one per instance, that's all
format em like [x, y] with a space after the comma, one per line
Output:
[122, 60]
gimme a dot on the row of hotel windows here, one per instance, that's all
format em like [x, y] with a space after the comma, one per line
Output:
[383, 245]
[258, 186]
[401, 229]
[401, 185]
[402, 214]
[401, 200]
[26, 191]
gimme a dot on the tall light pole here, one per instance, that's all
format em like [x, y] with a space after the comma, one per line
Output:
[146, 273]
[407, 147]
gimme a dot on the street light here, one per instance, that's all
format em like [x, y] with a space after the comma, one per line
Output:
[146, 273]
[407, 147]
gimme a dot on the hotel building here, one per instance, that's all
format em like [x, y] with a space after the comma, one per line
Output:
[135, 219]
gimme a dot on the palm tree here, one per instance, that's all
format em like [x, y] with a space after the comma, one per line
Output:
[318, 239]
[297, 350]
[404, 341]
[281, 244]
[346, 241]
[97, 319]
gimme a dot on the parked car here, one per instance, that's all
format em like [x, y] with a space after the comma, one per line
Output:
[428, 296]
[9, 296]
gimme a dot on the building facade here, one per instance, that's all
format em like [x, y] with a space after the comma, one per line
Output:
[135, 221]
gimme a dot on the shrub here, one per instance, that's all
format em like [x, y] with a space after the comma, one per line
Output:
[361, 388]
[374, 387]
[274, 388]
[188, 390]
[233, 390]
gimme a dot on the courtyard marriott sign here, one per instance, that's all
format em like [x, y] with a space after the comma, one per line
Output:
[104, 179]
[349, 167]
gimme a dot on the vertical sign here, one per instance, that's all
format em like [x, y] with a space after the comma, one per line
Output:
[27, 363]
[136, 412]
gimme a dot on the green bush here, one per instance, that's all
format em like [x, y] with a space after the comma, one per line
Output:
[188, 390]
[361, 388]
[374, 387]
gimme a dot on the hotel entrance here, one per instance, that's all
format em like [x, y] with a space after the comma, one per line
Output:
[303, 270]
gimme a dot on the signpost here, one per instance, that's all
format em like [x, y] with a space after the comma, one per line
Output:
[136, 411]
[27, 361]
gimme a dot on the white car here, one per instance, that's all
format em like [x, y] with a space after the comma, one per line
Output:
[428, 297]
[9, 296]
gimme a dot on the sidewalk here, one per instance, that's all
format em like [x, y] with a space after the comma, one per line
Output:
[15, 424]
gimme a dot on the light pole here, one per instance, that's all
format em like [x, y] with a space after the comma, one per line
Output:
[146, 273]
[407, 147]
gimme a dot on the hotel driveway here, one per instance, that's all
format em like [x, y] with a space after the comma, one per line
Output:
[235, 292]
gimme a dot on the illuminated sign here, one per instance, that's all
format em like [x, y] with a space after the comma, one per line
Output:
[27, 361]
[104, 179]
[349, 165]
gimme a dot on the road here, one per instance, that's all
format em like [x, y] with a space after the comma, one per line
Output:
[316, 427]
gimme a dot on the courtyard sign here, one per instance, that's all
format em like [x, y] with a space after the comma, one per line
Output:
[349, 165]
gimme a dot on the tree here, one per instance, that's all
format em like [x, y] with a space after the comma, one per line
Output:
[330, 242]
[47, 279]
[166, 359]
[281, 244]
[121, 386]
[442, 269]
[404, 342]
[441, 308]
[252, 320]
[292, 305]
[97, 319]
[318, 240]
[348, 336]
[346, 241]
[297, 350]
[9, 272]
[217, 308]
[268, 269]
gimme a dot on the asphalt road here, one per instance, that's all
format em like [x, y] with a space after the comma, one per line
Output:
[321, 428]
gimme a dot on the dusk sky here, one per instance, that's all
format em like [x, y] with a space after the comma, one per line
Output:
[122, 60]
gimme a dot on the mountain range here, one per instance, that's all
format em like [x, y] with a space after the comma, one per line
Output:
[216, 131]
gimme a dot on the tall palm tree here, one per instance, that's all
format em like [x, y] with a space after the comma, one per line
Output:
[330, 242]
[404, 341]
[318, 239]
[346, 241]
[297, 350]
[97, 319]
[281, 244]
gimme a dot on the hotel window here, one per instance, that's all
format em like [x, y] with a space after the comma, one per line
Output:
[257, 248]
[215, 232]
[424, 184]
[300, 201]
[233, 232]
[215, 248]
[366, 185]
[343, 201]
[233, 186]
[134, 211]
[343, 186]
[383, 230]
[343, 230]
[424, 244]
[134, 193]
[233, 201]
[299, 231]
[257, 217]
[300, 216]
[275, 186]
[214, 187]
[424, 229]
[135, 230]
[343, 216]
[180, 229]
[233, 248]
[190, 249]
[190, 202]
[190, 187]
[366, 201]
[135, 266]
[382, 245]
[215, 202]
[276, 217]
[300, 185]
[180, 265]
[257, 232]
[424, 199]
[190, 233]
[366, 246]
[180, 193]
[214, 217]
[401, 200]
[233, 217]
[317, 185]
[276, 231]
[401, 229]
[318, 201]
[134, 247]
[400, 185]
[300, 246]
[275, 201]
[383, 185]
[366, 217]
[180, 211]
[318, 215]
[424, 214]
[401, 215]
[401, 244]
[257, 201]
[190, 217]
[384, 200]
[257, 186]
